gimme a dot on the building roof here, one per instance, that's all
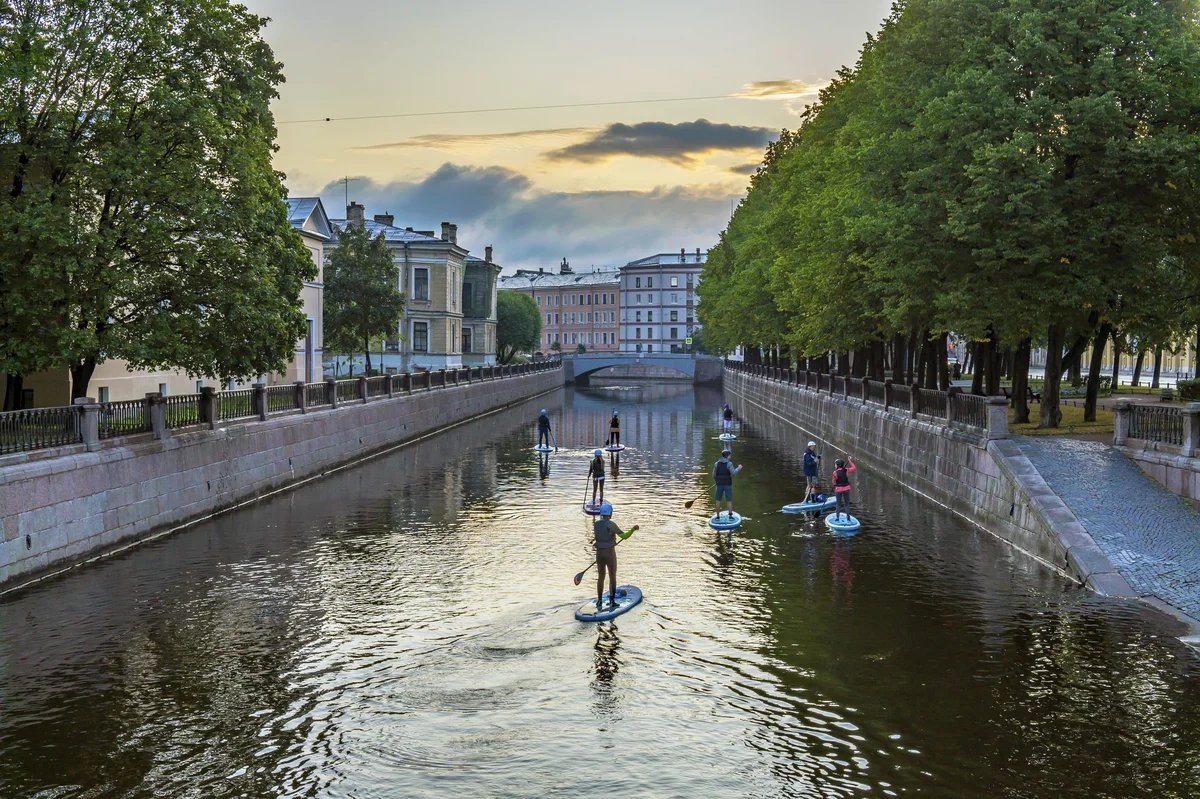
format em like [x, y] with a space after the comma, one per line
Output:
[526, 279]
[307, 215]
[391, 233]
[671, 259]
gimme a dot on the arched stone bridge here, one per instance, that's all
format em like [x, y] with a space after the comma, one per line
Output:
[577, 368]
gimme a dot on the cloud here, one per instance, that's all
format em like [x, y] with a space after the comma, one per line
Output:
[455, 141]
[532, 228]
[683, 143]
[796, 94]
[745, 169]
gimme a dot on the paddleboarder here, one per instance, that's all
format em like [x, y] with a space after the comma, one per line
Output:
[841, 485]
[614, 429]
[606, 532]
[543, 424]
[596, 472]
[722, 474]
[812, 471]
[727, 417]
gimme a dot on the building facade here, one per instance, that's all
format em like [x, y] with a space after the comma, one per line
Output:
[577, 309]
[480, 282]
[658, 302]
[308, 218]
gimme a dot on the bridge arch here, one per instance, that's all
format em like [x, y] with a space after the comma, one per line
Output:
[577, 368]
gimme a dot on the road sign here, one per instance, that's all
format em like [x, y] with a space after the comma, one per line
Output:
[688, 341]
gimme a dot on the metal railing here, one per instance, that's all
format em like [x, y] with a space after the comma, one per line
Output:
[236, 404]
[347, 391]
[970, 410]
[901, 396]
[38, 428]
[124, 418]
[1156, 424]
[316, 395]
[377, 386]
[182, 410]
[931, 402]
[281, 399]
[876, 392]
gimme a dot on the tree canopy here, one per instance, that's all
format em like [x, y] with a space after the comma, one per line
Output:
[143, 219]
[1018, 173]
[362, 292]
[518, 325]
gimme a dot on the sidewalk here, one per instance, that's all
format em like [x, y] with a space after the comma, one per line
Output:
[1150, 535]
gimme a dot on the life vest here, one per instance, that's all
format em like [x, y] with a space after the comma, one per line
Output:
[840, 478]
[723, 475]
[728, 414]
[543, 422]
[615, 422]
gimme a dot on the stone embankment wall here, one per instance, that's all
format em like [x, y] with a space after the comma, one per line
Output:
[986, 480]
[73, 504]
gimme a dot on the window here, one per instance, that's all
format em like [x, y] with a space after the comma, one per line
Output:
[466, 342]
[453, 295]
[637, 332]
[650, 298]
[639, 347]
[674, 298]
[582, 299]
[421, 285]
[649, 348]
[674, 316]
[649, 316]
[453, 335]
[674, 332]
[200, 386]
[638, 317]
[538, 300]
[162, 389]
[674, 282]
[103, 395]
[556, 319]
[548, 315]
[420, 334]
[649, 282]
[638, 297]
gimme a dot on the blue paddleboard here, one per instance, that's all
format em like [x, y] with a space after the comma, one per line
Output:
[590, 509]
[846, 524]
[724, 522]
[811, 507]
[727, 437]
[544, 449]
[615, 448]
[627, 597]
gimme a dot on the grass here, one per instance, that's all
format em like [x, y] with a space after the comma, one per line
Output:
[1071, 424]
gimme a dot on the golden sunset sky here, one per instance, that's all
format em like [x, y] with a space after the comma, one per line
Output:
[598, 184]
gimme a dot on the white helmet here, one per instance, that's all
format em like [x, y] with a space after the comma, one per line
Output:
[812, 443]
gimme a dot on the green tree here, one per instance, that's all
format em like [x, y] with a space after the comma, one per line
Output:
[362, 292]
[518, 325]
[143, 219]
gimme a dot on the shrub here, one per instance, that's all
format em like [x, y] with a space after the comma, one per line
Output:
[1190, 390]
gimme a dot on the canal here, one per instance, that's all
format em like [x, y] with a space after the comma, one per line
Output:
[404, 628]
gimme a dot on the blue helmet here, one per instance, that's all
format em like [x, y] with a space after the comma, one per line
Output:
[597, 453]
[606, 509]
[543, 411]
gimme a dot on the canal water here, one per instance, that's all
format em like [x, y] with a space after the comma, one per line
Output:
[404, 628]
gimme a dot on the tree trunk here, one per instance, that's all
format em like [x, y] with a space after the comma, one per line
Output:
[14, 392]
[858, 364]
[993, 365]
[1116, 346]
[1158, 351]
[1050, 414]
[1137, 367]
[943, 364]
[1020, 381]
[899, 357]
[878, 359]
[1093, 379]
[973, 354]
[81, 375]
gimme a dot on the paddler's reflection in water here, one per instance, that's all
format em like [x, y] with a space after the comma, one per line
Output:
[841, 570]
[615, 462]
[725, 548]
[607, 703]
[544, 466]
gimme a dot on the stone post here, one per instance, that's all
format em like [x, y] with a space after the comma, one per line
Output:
[1121, 414]
[951, 405]
[301, 395]
[997, 418]
[914, 402]
[390, 388]
[331, 392]
[258, 400]
[362, 388]
[406, 382]
[209, 410]
[89, 423]
[156, 406]
[1191, 430]
[865, 385]
[457, 376]
[888, 399]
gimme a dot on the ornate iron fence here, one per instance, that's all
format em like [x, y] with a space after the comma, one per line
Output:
[236, 404]
[38, 428]
[281, 399]
[1156, 424]
[124, 418]
[182, 410]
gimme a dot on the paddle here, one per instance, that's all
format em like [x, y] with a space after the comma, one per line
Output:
[622, 536]
[554, 441]
[692, 502]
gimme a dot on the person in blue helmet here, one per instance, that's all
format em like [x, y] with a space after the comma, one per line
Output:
[543, 424]
[596, 472]
[606, 533]
[722, 474]
[614, 429]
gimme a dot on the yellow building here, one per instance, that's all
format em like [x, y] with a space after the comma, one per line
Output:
[1178, 363]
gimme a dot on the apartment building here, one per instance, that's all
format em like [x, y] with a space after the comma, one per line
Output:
[578, 309]
[658, 301]
[480, 280]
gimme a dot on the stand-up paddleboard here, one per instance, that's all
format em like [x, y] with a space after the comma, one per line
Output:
[590, 509]
[725, 522]
[727, 437]
[543, 448]
[842, 524]
[615, 448]
[627, 597]
[811, 507]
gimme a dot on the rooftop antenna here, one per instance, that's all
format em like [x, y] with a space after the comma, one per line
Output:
[346, 181]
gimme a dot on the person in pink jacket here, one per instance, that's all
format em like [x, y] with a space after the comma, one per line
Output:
[841, 485]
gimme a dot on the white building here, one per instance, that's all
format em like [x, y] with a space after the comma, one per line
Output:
[658, 301]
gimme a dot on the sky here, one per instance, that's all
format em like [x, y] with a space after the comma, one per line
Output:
[635, 166]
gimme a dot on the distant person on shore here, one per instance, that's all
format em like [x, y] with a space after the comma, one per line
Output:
[614, 429]
[727, 417]
[596, 472]
[722, 474]
[606, 532]
[841, 484]
[543, 429]
[812, 471]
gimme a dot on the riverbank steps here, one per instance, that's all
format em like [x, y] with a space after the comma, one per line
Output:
[73, 505]
[991, 483]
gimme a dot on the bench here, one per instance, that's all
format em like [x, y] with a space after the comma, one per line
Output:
[1030, 394]
[1168, 394]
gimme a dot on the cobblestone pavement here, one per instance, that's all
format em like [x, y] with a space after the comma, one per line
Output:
[1151, 536]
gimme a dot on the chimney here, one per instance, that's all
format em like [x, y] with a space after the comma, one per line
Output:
[487, 254]
[408, 229]
[354, 214]
[445, 231]
[385, 219]
[450, 233]
[540, 270]
[697, 255]
[682, 255]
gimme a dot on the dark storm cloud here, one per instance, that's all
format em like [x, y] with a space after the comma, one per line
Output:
[529, 228]
[745, 169]
[683, 143]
